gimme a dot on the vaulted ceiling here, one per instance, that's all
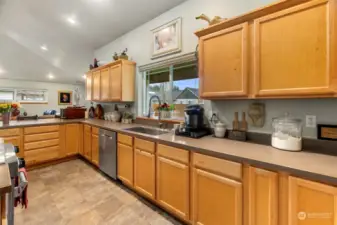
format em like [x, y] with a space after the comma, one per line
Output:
[54, 40]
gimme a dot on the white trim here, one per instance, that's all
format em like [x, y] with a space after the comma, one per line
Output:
[188, 57]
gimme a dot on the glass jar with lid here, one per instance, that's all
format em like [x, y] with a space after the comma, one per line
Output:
[287, 133]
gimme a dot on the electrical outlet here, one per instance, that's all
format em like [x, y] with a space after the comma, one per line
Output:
[310, 121]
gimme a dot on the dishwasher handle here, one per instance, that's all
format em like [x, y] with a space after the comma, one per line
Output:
[104, 135]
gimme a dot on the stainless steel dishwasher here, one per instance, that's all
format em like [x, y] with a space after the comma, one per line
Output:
[108, 152]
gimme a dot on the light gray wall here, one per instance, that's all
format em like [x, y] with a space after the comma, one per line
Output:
[139, 43]
[53, 88]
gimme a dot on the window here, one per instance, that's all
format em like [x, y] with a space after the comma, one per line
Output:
[7, 94]
[176, 84]
[31, 95]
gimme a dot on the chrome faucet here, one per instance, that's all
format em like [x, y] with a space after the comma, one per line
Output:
[159, 112]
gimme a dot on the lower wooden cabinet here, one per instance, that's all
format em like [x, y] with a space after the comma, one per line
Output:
[173, 189]
[311, 203]
[41, 155]
[95, 149]
[13, 136]
[216, 199]
[87, 145]
[263, 197]
[125, 161]
[72, 137]
[144, 173]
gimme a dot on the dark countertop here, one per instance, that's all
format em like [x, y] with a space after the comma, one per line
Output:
[318, 167]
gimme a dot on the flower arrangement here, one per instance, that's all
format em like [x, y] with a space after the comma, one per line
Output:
[165, 107]
[5, 108]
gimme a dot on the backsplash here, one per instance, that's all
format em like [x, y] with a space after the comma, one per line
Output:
[324, 109]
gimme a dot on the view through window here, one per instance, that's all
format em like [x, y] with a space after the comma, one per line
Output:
[177, 85]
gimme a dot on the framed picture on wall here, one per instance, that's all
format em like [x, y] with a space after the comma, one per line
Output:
[166, 39]
[65, 97]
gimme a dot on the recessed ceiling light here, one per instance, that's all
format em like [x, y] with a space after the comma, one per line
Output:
[2, 71]
[84, 76]
[44, 47]
[51, 76]
[72, 20]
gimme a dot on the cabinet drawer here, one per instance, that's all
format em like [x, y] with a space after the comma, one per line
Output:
[41, 137]
[224, 167]
[42, 129]
[94, 130]
[10, 132]
[176, 154]
[87, 128]
[41, 144]
[125, 139]
[148, 146]
[41, 155]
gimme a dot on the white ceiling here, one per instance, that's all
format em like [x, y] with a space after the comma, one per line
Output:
[26, 25]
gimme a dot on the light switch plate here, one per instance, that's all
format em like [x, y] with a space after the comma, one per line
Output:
[310, 121]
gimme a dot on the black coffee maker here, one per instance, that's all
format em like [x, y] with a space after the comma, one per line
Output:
[194, 123]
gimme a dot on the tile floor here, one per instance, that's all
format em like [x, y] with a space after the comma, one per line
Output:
[75, 193]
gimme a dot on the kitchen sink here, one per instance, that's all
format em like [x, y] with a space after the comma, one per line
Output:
[145, 130]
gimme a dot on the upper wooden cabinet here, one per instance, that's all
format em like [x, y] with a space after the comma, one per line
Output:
[285, 50]
[114, 82]
[96, 86]
[88, 86]
[311, 203]
[105, 84]
[293, 51]
[223, 63]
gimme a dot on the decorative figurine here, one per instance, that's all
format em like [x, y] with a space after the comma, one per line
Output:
[124, 55]
[95, 63]
[115, 56]
[91, 66]
[215, 20]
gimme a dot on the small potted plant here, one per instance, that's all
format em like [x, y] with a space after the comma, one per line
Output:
[165, 110]
[127, 118]
[5, 110]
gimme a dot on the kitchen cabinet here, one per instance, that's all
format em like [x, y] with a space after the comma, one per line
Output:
[13, 136]
[173, 186]
[44, 143]
[105, 84]
[223, 63]
[95, 149]
[88, 86]
[96, 86]
[216, 199]
[216, 191]
[125, 160]
[116, 82]
[72, 139]
[81, 140]
[87, 142]
[298, 62]
[311, 203]
[113, 82]
[144, 173]
[263, 197]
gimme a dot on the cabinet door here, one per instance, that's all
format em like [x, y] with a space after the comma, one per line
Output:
[223, 65]
[173, 186]
[116, 82]
[144, 172]
[81, 140]
[96, 85]
[105, 84]
[95, 149]
[293, 50]
[311, 203]
[88, 87]
[216, 199]
[87, 145]
[13, 140]
[263, 197]
[72, 139]
[125, 164]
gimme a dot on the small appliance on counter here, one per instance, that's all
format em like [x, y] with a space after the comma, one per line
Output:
[73, 113]
[287, 133]
[194, 125]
